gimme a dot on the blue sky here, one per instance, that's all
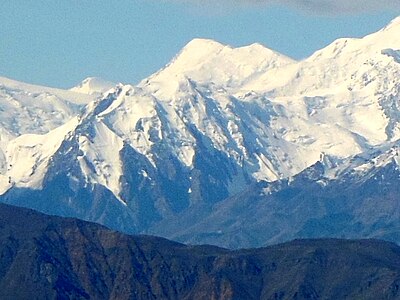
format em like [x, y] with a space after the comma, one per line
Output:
[60, 42]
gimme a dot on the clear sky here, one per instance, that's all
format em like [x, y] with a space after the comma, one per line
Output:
[60, 42]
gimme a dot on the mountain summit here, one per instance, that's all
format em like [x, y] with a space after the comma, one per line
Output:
[209, 62]
[190, 141]
[93, 85]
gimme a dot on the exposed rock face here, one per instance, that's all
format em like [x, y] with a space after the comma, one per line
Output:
[358, 198]
[178, 154]
[46, 257]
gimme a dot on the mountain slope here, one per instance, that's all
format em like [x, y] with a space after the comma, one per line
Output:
[51, 257]
[93, 86]
[34, 109]
[30, 109]
[190, 142]
[209, 62]
[358, 198]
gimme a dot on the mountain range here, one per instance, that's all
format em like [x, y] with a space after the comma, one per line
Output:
[46, 257]
[236, 147]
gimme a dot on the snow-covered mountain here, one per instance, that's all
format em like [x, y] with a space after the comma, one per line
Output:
[34, 109]
[31, 110]
[93, 86]
[203, 131]
[358, 198]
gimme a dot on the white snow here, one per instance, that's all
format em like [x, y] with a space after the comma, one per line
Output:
[27, 157]
[93, 86]
[207, 61]
[73, 97]
[272, 115]
[366, 164]
[100, 161]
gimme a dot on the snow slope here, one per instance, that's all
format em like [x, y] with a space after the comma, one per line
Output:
[93, 86]
[27, 157]
[213, 121]
[26, 108]
[211, 63]
[31, 109]
[339, 102]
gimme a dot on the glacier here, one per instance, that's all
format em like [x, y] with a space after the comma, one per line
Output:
[184, 152]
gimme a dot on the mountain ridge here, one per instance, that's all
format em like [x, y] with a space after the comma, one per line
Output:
[93, 85]
[49, 256]
[205, 129]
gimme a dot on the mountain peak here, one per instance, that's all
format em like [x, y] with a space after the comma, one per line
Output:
[257, 46]
[93, 85]
[204, 43]
[199, 49]
[208, 61]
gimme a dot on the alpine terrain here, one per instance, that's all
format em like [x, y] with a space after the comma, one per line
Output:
[231, 146]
